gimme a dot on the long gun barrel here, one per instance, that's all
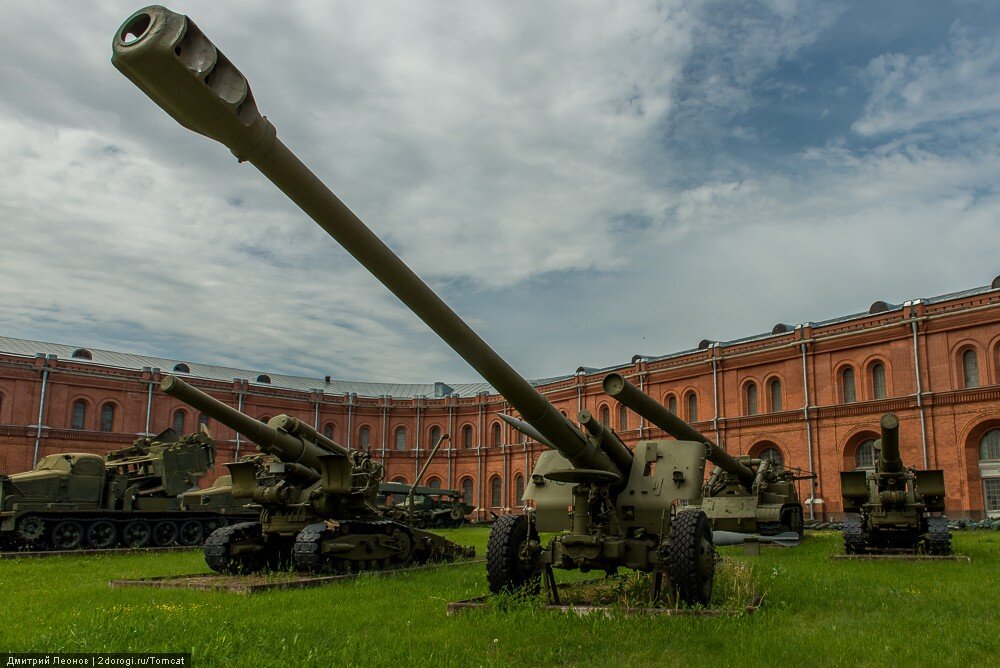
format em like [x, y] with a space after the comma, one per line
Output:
[172, 61]
[628, 394]
[292, 441]
[889, 460]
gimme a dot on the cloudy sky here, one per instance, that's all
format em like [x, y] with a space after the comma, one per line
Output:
[580, 181]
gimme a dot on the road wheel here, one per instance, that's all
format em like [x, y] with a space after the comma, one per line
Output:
[164, 533]
[509, 564]
[102, 534]
[66, 535]
[690, 557]
[137, 533]
[191, 533]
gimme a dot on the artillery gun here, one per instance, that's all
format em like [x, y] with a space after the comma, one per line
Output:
[131, 498]
[889, 509]
[318, 510]
[624, 504]
[432, 506]
[769, 505]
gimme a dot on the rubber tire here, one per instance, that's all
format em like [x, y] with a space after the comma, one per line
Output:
[217, 554]
[504, 570]
[690, 557]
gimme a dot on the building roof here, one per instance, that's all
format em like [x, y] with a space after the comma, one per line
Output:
[109, 358]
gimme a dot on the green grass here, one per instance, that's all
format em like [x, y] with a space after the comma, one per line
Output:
[815, 612]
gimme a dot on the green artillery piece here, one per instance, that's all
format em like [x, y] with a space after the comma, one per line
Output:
[741, 494]
[770, 505]
[432, 506]
[318, 510]
[889, 509]
[624, 504]
[724, 538]
[131, 498]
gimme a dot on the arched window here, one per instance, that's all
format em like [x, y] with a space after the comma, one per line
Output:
[622, 418]
[774, 389]
[203, 420]
[432, 436]
[970, 368]
[329, 430]
[847, 385]
[773, 454]
[605, 416]
[181, 367]
[79, 415]
[692, 407]
[496, 492]
[518, 487]
[878, 381]
[467, 490]
[108, 417]
[989, 467]
[434, 483]
[989, 447]
[180, 417]
[467, 437]
[263, 378]
[864, 458]
[365, 438]
[399, 438]
[672, 404]
[82, 354]
[751, 398]
[497, 435]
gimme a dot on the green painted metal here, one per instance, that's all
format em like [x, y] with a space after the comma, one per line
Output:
[617, 509]
[894, 508]
[318, 502]
[133, 497]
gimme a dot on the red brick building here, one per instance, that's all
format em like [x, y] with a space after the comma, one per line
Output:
[810, 393]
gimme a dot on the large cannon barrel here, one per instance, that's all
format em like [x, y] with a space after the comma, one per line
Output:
[172, 61]
[889, 459]
[288, 447]
[629, 395]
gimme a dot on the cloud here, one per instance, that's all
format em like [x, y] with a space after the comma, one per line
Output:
[955, 82]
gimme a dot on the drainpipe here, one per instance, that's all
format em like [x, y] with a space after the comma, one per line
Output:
[350, 418]
[715, 397]
[149, 398]
[41, 405]
[416, 447]
[809, 439]
[642, 388]
[385, 422]
[319, 393]
[916, 369]
[239, 407]
[451, 444]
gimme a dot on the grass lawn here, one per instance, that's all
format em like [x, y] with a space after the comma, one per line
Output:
[815, 612]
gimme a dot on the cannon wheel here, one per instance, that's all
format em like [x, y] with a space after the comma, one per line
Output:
[508, 568]
[218, 549]
[690, 557]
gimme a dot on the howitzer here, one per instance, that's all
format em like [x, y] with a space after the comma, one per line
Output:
[624, 510]
[318, 502]
[889, 509]
[742, 494]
